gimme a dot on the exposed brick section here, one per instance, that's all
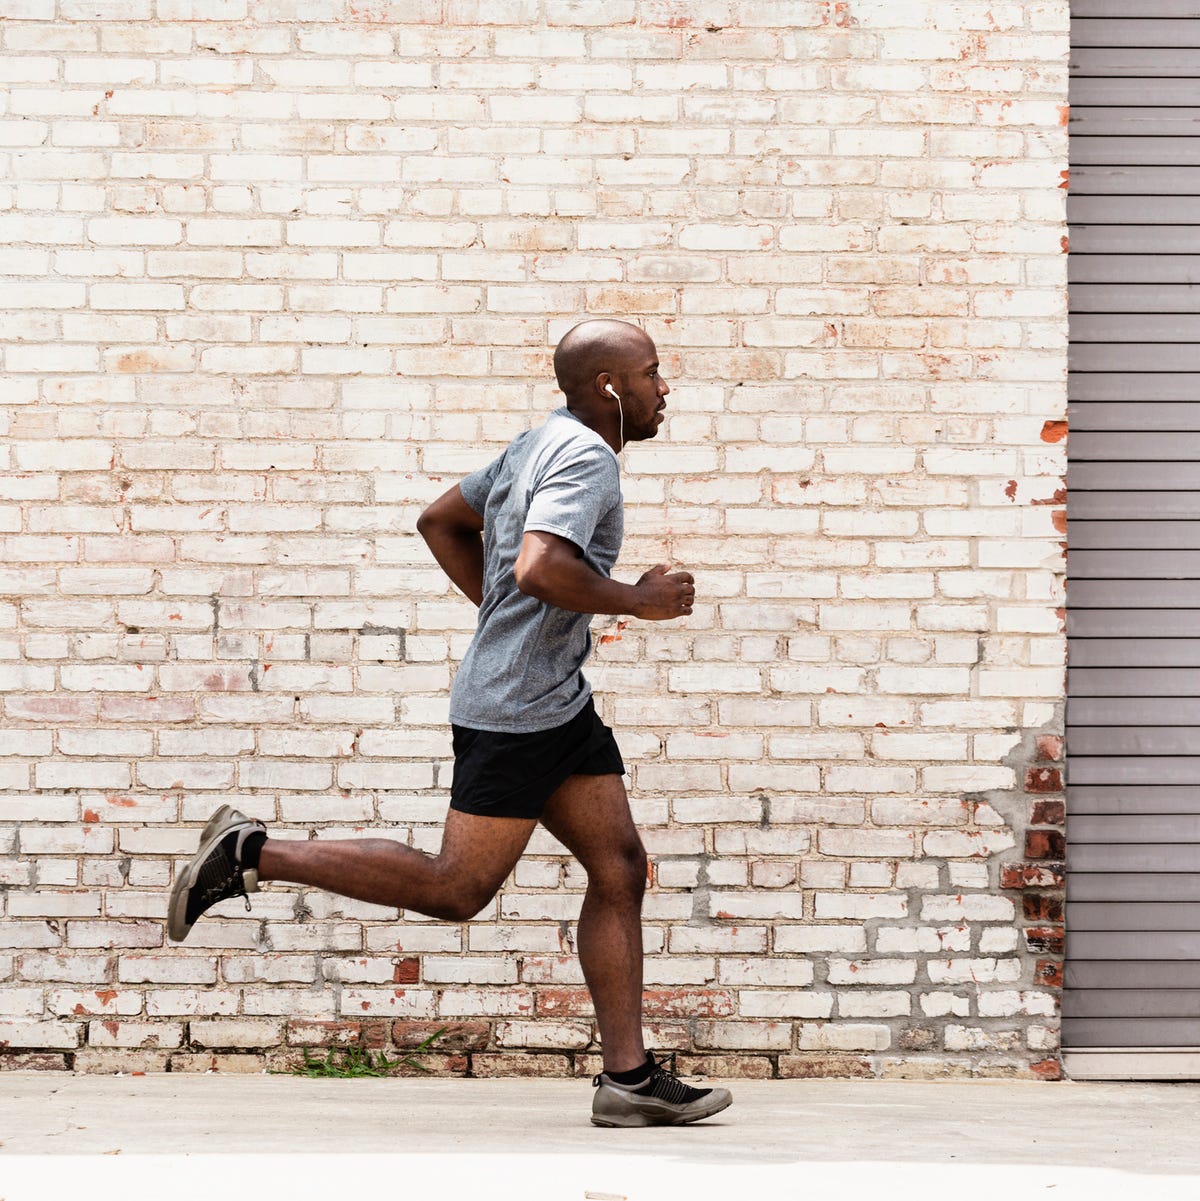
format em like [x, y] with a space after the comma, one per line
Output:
[278, 274]
[1048, 813]
[1043, 779]
[1049, 973]
[1050, 748]
[1045, 908]
[1045, 939]
[1045, 844]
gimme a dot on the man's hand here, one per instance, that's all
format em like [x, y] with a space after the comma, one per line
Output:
[663, 595]
[552, 569]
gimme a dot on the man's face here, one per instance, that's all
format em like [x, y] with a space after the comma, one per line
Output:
[642, 390]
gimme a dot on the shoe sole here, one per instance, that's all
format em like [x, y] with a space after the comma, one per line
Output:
[218, 826]
[631, 1120]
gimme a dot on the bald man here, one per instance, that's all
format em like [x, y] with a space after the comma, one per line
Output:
[531, 539]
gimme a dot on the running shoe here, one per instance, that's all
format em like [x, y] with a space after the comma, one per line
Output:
[663, 1100]
[215, 872]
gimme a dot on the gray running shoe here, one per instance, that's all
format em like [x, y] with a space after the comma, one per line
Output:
[215, 872]
[213, 822]
[663, 1100]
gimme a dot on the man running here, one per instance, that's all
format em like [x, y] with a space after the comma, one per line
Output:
[531, 539]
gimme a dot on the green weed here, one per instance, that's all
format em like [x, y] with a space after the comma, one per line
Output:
[351, 1062]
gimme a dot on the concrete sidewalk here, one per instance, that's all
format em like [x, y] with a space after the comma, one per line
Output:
[208, 1137]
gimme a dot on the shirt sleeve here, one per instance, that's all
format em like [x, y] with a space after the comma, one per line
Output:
[476, 487]
[575, 495]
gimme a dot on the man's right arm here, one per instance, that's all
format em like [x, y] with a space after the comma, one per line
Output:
[453, 531]
[552, 569]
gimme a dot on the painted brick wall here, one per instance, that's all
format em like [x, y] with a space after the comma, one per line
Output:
[278, 271]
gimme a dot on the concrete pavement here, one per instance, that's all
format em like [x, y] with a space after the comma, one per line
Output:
[191, 1137]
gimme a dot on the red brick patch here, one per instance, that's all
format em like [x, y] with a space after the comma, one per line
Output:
[1043, 779]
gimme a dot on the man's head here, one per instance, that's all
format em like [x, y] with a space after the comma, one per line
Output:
[608, 370]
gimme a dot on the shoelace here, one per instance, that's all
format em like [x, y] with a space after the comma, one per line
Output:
[666, 1085]
[224, 887]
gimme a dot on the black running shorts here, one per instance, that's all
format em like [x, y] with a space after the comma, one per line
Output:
[514, 775]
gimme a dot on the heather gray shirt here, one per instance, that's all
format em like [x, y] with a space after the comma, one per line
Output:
[523, 669]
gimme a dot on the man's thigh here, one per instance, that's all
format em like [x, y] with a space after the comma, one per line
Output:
[590, 816]
[481, 851]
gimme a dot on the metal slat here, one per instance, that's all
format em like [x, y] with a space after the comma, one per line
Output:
[1133, 829]
[1090, 91]
[1135, 298]
[1130, 623]
[1127, 535]
[1123, 798]
[1150, 769]
[1133, 594]
[1135, 386]
[1113, 476]
[1133, 1003]
[1087, 711]
[1114, 180]
[1135, 740]
[1131, 270]
[1133, 356]
[1131, 1032]
[1134, 652]
[1135, 327]
[1141, 916]
[1104, 238]
[1136, 565]
[1104, 120]
[1083, 415]
[1183, 886]
[1134, 944]
[1133, 10]
[1133, 151]
[1101, 973]
[1130, 31]
[1142, 506]
[1086, 91]
[1147, 858]
[1139, 447]
[1160, 62]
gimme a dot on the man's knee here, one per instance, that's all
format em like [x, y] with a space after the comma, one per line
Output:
[463, 906]
[622, 870]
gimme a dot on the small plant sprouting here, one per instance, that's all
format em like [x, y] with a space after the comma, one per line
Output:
[351, 1062]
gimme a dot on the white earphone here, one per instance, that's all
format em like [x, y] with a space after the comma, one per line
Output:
[620, 413]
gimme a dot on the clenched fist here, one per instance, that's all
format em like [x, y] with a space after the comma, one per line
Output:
[663, 594]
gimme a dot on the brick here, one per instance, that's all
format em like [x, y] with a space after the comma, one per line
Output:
[17, 1033]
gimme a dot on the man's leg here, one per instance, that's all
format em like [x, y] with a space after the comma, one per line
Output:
[590, 816]
[476, 856]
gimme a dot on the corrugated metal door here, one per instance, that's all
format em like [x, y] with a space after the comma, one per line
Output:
[1131, 1006]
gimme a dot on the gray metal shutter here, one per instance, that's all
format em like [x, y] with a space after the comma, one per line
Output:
[1131, 1005]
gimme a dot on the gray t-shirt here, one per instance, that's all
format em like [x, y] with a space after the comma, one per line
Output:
[523, 669]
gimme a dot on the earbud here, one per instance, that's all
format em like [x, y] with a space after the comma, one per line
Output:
[620, 414]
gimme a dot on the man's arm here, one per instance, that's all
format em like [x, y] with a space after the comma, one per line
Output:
[453, 531]
[552, 569]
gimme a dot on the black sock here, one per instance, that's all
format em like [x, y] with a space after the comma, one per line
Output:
[252, 849]
[635, 1075]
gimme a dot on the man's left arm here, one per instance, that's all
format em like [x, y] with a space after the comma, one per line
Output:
[453, 531]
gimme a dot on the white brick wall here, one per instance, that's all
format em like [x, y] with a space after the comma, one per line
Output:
[278, 272]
